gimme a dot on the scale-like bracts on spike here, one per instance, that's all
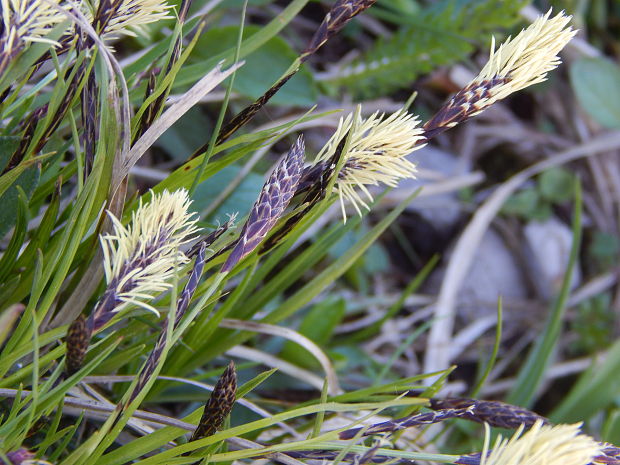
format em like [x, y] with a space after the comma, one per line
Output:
[515, 65]
[495, 413]
[23, 22]
[377, 154]
[140, 259]
[219, 405]
[341, 13]
[272, 201]
[113, 18]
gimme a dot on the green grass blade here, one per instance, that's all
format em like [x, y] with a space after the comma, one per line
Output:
[491, 362]
[532, 372]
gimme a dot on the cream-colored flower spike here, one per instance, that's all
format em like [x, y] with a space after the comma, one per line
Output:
[140, 259]
[543, 445]
[131, 16]
[377, 154]
[526, 59]
[28, 21]
[516, 64]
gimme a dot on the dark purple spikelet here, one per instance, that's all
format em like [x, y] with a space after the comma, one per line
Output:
[466, 103]
[495, 413]
[89, 122]
[248, 113]
[191, 285]
[219, 404]
[610, 455]
[272, 201]
[78, 340]
[329, 456]
[18, 456]
[390, 426]
[341, 13]
[149, 115]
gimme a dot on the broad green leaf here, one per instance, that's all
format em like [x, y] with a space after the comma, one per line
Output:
[7, 262]
[596, 82]
[28, 181]
[8, 145]
[611, 429]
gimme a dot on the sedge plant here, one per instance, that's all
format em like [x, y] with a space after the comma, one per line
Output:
[111, 293]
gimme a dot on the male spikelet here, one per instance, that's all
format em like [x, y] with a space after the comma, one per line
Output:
[219, 405]
[140, 259]
[23, 22]
[28, 20]
[541, 445]
[113, 18]
[340, 14]
[376, 154]
[391, 426]
[272, 201]
[516, 64]
[139, 262]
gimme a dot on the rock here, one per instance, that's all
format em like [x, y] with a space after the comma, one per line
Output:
[441, 210]
[547, 249]
[494, 272]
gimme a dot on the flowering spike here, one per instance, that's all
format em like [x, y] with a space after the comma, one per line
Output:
[140, 259]
[272, 201]
[78, 339]
[128, 17]
[390, 426]
[495, 413]
[219, 404]
[340, 14]
[516, 64]
[24, 21]
[541, 445]
[29, 20]
[376, 155]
